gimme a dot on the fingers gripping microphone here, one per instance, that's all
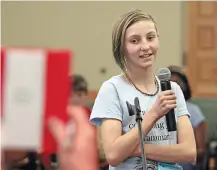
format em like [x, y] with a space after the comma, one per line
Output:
[164, 75]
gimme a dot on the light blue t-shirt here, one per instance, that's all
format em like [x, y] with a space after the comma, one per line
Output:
[196, 114]
[111, 103]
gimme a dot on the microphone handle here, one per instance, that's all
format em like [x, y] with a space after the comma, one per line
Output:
[171, 121]
[170, 116]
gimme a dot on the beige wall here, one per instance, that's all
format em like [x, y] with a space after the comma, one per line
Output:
[85, 27]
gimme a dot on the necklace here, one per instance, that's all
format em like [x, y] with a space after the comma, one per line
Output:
[147, 94]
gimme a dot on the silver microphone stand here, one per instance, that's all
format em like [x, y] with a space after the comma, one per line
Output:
[135, 110]
[139, 121]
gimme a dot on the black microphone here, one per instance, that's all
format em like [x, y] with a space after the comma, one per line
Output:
[164, 75]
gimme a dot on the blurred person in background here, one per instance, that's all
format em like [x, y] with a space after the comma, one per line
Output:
[79, 98]
[76, 149]
[79, 92]
[78, 95]
[27, 160]
[197, 118]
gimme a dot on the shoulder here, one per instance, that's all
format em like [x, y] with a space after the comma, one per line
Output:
[196, 114]
[195, 109]
[192, 105]
[118, 79]
[107, 102]
[113, 83]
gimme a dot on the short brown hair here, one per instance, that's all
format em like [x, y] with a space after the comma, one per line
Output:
[79, 84]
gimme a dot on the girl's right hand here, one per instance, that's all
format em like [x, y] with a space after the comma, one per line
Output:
[166, 101]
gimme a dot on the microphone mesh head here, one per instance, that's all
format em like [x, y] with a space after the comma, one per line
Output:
[164, 74]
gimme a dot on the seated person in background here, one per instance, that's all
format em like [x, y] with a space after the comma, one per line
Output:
[78, 98]
[78, 94]
[79, 91]
[197, 118]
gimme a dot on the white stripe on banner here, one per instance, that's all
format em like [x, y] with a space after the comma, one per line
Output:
[25, 74]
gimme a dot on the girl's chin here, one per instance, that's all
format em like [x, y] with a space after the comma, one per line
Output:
[146, 64]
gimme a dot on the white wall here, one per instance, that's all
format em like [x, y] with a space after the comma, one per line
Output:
[85, 28]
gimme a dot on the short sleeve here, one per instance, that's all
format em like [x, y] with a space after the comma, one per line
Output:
[181, 108]
[106, 105]
[196, 115]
